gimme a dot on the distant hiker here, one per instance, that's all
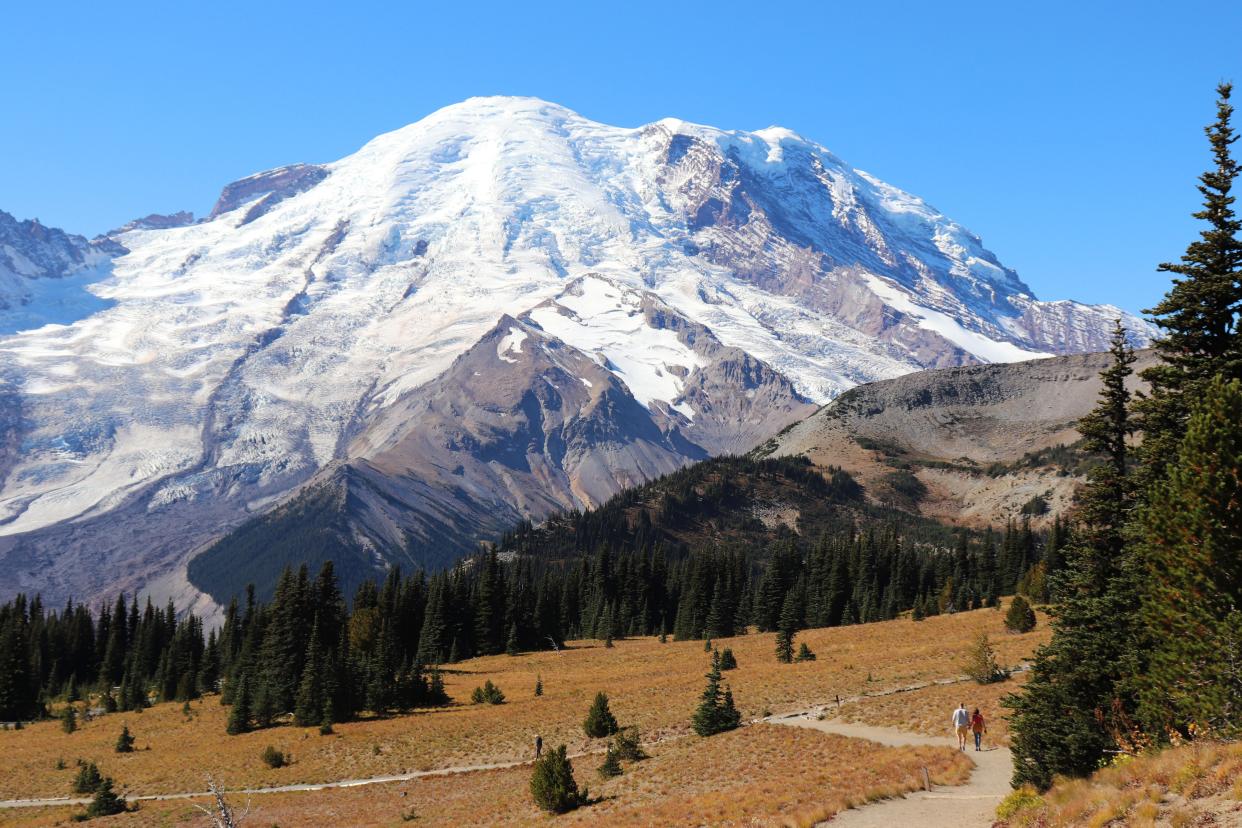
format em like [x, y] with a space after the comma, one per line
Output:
[978, 727]
[538, 746]
[961, 722]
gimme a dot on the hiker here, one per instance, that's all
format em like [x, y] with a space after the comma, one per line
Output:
[961, 722]
[538, 746]
[979, 727]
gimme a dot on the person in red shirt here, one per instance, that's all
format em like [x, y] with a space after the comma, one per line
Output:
[978, 727]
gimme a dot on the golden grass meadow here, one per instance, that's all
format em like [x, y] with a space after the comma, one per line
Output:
[758, 775]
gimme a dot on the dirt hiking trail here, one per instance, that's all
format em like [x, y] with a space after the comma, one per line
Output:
[961, 806]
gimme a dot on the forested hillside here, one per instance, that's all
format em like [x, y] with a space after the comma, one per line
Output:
[708, 551]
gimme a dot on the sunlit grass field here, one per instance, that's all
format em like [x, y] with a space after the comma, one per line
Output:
[652, 685]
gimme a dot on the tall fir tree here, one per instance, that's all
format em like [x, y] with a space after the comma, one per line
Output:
[1192, 597]
[1198, 317]
[1076, 702]
[308, 707]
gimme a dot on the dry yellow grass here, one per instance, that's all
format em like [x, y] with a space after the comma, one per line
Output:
[759, 775]
[1198, 784]
[652, 685]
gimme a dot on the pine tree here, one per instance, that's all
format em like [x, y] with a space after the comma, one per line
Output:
[1076, 702]
[69, 719]
[308, 709]
[1192, 597]
[552, 783]
[538, 685]
[1199, 314]
[804, 653]
[611, 766]
[1020, 618]
[106, 801]
[980, 663]
[239, 715]
[125, 742]
[88, 779]
[716, 712]
[599, 721]
[788, 625]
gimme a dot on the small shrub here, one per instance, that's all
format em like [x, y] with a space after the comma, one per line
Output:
[980, 663]
[1020, 618]
[273, 758]
[599, 721]
[487, 694]
[1023, 799]
[611, 766]
[125, 742]
[628, 746]
[804, 653]
[60, 764]
[1037, 505]
[727, 659]
[552, 783]
[538, 685]
[325, 729]
[69, 719]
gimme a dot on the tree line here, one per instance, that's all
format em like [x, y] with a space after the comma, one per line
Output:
[310, 654]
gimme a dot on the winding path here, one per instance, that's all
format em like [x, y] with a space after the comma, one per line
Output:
[964, 805]
[961, 806]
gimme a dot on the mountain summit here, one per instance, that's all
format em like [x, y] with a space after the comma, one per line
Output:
[499, 310]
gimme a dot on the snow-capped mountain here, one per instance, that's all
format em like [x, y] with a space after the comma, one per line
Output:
[683, 290]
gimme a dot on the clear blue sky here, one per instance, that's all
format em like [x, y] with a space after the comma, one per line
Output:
[1067, 134]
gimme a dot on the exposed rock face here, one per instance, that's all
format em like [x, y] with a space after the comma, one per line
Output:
[270, 187]
[155, 221]
[706, 283]
[964, 432]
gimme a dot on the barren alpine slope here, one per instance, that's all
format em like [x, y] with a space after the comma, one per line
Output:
[701, 288]
[982, 441]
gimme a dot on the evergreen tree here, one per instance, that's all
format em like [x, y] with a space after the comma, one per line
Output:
[599, 721]
[716, 712]
[106, 801]
[612, 764]
[552, 783]
[88, 779]
[125, 742]
[980, 663]
[804, 653]
[1076, 702]
[1020, 618]
[311, 699]
[1192, 597]
[239, 715]
[69, 719]
[538, 685]
[1199, 314]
